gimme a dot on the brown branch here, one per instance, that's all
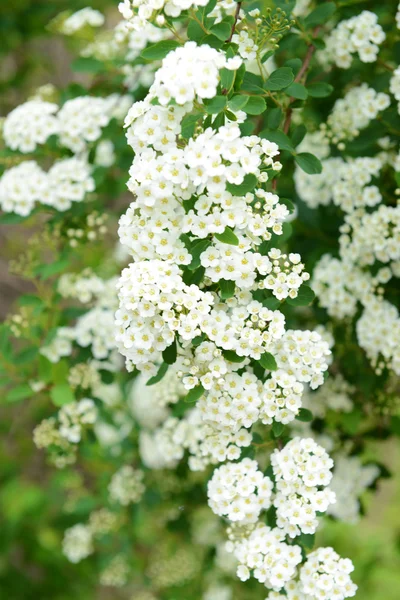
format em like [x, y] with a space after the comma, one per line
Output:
[302, 72]
[237, 11]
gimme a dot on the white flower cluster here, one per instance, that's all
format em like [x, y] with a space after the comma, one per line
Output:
[369, 237]
[350, 479]
[378, 333]
[345, 182]
[67, 181]
[149, 404]
[81, 121]
[86, 331]
[264, 554]
[139, 12]
[335, 396]
[165, 447]
[301, 469]
[88, 287]
[126, 486]
[155, 304]
[326, 576]
[29, 125]
[395, 86]
[78, 543]
[354, 112]
[359, 35]
[247, 47]
[339, 286]
[81, 18]
[239, 491]
[74, 417]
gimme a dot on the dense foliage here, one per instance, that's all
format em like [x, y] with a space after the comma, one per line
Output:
[204, 366]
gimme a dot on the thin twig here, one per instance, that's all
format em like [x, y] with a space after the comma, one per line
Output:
[237, 11]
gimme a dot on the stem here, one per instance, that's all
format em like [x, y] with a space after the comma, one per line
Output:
[237, 11]
[302, 72]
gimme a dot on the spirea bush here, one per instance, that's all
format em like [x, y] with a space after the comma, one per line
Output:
[208, 346]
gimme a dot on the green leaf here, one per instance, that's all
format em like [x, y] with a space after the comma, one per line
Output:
[305, 296]
[61, 394]
[267, 55]
[227, 288]
[46, 271]
[305, 415]
[159, 50]
[169, 354]
[219, 121]
[295, 64]
[59, 371]
[320, 15]
[237, 102]
[319, 90]
[12, 219]
[277, 429]
[232, 356]
[280, 138]
[196, 253]
[195, 32]
[159, 375]
[257, 439]
[268, 362]
[307, 540]
[227, 78]
[188, 125]
[271, 303]
[297, 90]
[309, 163]
[215, 105]
[248, 184]
[274, 118]
[222, 30]
[87, 64]
[30, 300]
[255, 105]
[199, 339]
[298, 134]
[20, 392]
[194, 394]
[227, 237]
[279, 79]
[252, 83]
[27, 355]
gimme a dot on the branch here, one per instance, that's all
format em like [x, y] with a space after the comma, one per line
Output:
[302, 71]
[237, 11]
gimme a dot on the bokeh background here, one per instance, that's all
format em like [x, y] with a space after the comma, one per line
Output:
[31, 562]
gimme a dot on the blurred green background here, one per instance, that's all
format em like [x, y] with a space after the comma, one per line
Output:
[31, 563]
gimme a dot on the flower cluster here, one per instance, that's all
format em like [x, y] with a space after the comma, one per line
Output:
[67, 181]
[345, 182]
[264, 554]
[378, 331]
[326, 575]
[239, 491]
[359, 35]
[395, 86]
[350, 479]
[126, 486]
[354, 112]
[78, 543]
[30, 124]
[370, 237]
[301, 469]
[81, 18]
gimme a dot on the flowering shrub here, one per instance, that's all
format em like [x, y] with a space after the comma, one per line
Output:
[209, 340]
